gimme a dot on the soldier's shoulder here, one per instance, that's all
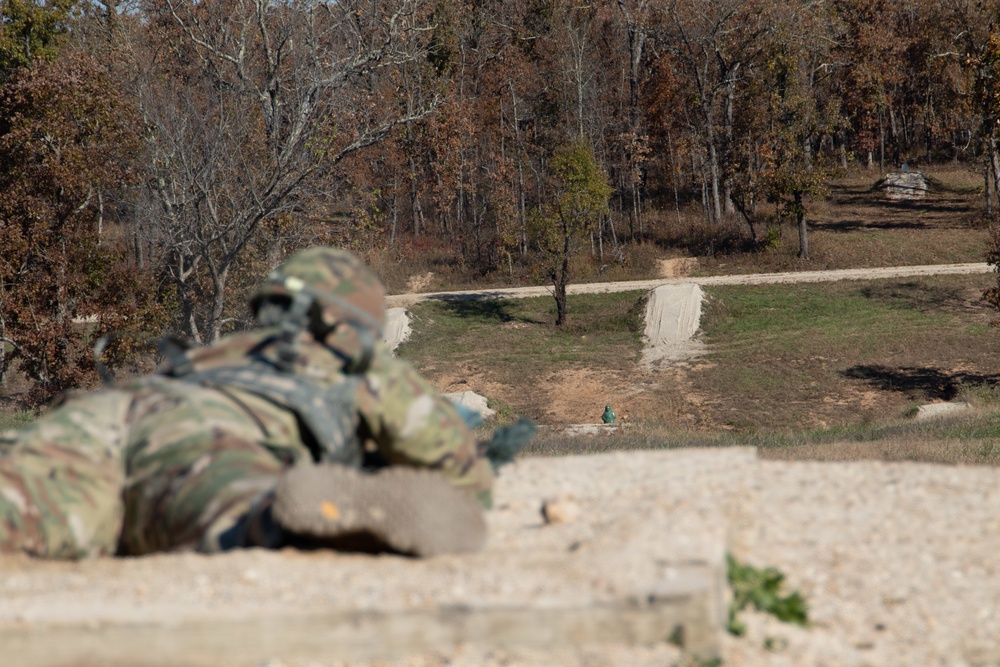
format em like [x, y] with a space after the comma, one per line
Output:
[232, 350]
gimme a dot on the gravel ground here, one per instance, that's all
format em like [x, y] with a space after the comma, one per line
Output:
[403, 300]
[897, 561]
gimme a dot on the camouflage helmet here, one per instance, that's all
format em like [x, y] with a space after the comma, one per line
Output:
[339, 286]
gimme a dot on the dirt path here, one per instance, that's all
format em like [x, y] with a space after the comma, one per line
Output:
[403, 300]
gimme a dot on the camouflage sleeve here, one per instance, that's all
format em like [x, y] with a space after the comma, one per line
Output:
[414, 425]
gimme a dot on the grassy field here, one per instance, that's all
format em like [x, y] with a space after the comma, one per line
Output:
[830, 370]
[14, 418]
[822, 355]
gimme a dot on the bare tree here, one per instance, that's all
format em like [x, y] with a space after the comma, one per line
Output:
[714, 42]
[249, 110]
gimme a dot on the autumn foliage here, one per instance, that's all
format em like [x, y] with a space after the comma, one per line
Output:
[64, 144]
[159, 156]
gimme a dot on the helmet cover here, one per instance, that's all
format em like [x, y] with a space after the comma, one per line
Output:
[342, 286]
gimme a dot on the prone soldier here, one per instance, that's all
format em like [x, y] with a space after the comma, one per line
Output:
[306, 431]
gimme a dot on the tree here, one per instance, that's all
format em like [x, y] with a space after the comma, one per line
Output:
[64, 142]
[791, 169]
[250, 108]
[784, 119]
[31, 30]
[579, 193]
[714, 42]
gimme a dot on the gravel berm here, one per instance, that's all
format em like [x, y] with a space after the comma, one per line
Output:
[899, 564]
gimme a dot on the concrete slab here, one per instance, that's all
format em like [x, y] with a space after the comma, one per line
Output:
[588, 429]
[673, 315]
[640, 566]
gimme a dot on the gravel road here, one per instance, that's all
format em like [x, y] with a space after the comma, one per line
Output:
[403, 300]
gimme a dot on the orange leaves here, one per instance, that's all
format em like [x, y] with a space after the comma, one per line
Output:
[65, 144]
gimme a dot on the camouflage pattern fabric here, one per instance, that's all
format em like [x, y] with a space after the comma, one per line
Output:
[338, 280]
[163, 464]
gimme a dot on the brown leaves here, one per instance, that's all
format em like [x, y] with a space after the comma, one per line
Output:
[64, 144]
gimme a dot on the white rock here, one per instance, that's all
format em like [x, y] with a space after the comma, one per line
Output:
[473, 401]
[905, 185]
[932, 410]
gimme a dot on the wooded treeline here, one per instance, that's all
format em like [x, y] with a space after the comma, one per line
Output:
[157, 156]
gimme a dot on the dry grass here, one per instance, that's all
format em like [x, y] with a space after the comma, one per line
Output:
[972, 438]
[853, 226]
[928, 449]
[826, 355]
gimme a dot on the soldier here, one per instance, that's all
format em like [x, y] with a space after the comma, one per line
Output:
[306, 431]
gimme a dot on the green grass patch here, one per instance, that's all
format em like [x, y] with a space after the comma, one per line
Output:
[16, 419]
[794, 356]
[514, 341]
[762, 589]
[812, 318]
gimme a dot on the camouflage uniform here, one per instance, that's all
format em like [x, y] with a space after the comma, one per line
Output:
[177, 460]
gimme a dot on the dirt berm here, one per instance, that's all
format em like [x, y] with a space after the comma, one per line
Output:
[898, 562]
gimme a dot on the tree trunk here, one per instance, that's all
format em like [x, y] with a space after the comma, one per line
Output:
[3, 351]
[713, 167]
[218, 303]
[727, 198]
[986, 188]
[415, 212]
[881, 138]
[673, 169]
[560, 279]
[637, 209]
[800, 216]
[995, 165]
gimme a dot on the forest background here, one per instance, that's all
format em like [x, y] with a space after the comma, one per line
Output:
[157, 157]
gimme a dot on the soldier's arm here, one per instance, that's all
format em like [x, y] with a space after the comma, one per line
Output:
[412, 424]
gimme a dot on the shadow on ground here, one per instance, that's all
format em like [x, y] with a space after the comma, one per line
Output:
[922, 295]
[919, 382]
[486, 310]
[870, 209]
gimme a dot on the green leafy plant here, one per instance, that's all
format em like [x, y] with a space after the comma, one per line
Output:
[580, 194]
[762, 590]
